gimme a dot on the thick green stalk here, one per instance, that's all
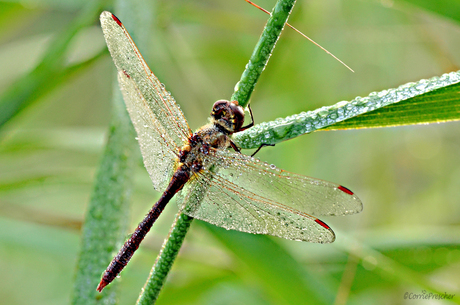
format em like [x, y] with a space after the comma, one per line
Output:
[244, 88]
[165, 259]
[262, 51]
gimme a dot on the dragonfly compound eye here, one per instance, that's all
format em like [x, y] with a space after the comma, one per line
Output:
[238, 115]
[229, 115]
[218, 109]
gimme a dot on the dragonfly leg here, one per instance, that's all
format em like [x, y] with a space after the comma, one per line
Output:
[252, 119]
[233, 145]
[262, 145]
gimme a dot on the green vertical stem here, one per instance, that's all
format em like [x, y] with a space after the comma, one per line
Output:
[262, 51]
[165, 259]
[244, 88]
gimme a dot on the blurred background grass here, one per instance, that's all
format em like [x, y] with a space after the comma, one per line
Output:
[408, 178]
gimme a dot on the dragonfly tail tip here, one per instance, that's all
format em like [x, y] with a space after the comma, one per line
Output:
[101, 285]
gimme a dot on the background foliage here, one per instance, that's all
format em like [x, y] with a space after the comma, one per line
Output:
[405, 240]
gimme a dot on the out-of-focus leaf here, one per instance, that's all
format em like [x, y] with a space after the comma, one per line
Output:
[55, 4]
[50, 71]
[105, 221]
[383, 264]
[446, 8]
[280, 275]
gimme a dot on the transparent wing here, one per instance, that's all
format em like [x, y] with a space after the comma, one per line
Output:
[127, 58]
[226, 205]
[250, 196]
[161, 127]
[157, 147]
[305, 194]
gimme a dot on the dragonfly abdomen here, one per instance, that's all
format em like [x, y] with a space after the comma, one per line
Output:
[179, 178]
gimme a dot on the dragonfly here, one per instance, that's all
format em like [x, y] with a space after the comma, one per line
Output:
[213, 180]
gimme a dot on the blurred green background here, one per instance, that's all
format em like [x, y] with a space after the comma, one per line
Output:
[406, 239]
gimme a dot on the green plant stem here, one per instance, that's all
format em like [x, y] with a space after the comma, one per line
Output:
[262, 51]
[244, 88]
[165, 259]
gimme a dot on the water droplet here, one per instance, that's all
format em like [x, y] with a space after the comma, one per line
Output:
[237, 86]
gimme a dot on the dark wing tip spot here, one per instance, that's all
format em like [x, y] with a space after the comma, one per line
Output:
[117, 20]
[322, 224]
[345, 190]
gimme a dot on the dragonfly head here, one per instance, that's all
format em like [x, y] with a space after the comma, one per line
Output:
[228, 115]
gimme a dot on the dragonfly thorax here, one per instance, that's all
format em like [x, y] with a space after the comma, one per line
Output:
[227, 115]
[202, 145]
[226, 118]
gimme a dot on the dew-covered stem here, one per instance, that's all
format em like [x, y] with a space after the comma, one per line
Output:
[243, 90]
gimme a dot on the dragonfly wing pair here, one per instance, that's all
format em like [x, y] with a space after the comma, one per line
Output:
[233, 191]
[160, 124]
[251, 196]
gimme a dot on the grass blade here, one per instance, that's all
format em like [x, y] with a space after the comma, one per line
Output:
[426, 101]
